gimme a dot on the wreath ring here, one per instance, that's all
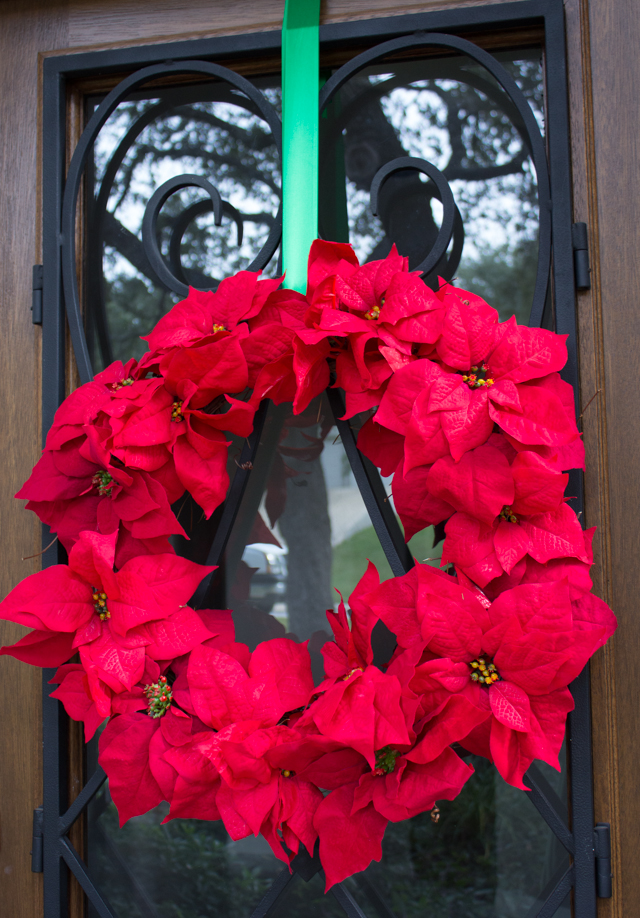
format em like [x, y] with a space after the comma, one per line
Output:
[474, 422]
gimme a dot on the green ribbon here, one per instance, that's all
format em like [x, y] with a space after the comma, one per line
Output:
[300, 129]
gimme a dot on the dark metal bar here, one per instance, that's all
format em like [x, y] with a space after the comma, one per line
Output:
[548, 805]
[54, 722]
[554, 894]
[582, 821]
[54, 767]
[85, 796]
[444, 193]
[273, 894]
[79, 870]
[368, 480]
[602, 846]
[346, 900]
[36, 843]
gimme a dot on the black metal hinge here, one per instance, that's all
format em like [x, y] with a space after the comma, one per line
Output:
[602, 850]
[36, 295]
[581, 267]
[36, 847]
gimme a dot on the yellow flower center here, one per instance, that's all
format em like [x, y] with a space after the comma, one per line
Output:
[123, 382]
[478, 377]
[358, 669]
[100, 604]
[286, 773]
[508, 515]
[217, 328]
[484, 671]
[176, 411]
[373, 313]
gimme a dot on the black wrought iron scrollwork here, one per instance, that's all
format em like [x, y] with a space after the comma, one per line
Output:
[81, 156]
[183, 220]
[394, 180]
[451, 219]
[150, 225]
[508, 95]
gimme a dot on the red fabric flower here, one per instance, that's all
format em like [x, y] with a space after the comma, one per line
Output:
[113, 618]
[133, 751]
[376, 317]
[235, 685]
[486, 373]
[160, 425]
[207, 315]
[71, 493]
[530, 641]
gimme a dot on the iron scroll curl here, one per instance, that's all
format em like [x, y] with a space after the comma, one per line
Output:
[451, 226]
[80, 159]
[150, 226]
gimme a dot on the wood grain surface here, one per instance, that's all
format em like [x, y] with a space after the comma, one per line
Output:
[94, 23]
[614, 192]
[604, 118]
[605, 736]
[26, 28]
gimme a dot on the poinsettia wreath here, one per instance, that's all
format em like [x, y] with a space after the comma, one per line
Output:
[473, 421]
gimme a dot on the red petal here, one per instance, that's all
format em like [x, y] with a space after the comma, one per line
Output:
[510, 705]
[480, 484]
[348, 843]
[511, 542]
[415, 504]
[404, 387]
[124, 755]
[524, 353]
[41, 648]
[381, 445]
[204, 476]
[468, 329]
[556, 535]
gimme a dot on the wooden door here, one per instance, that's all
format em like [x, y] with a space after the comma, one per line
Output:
[604, 124]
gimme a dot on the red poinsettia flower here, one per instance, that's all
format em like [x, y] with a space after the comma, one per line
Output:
[74, 692]
[396, 789]
[402, 781]
[71, 493]
[376, 317]
[114, 619]
[258, 796]
[206, 315]
[237, 685]
[153, 718]
[83, 405]
[486, 373]
[521, 651]
[133, 751]
[166, 424]
[244, 696]
[506, 510]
